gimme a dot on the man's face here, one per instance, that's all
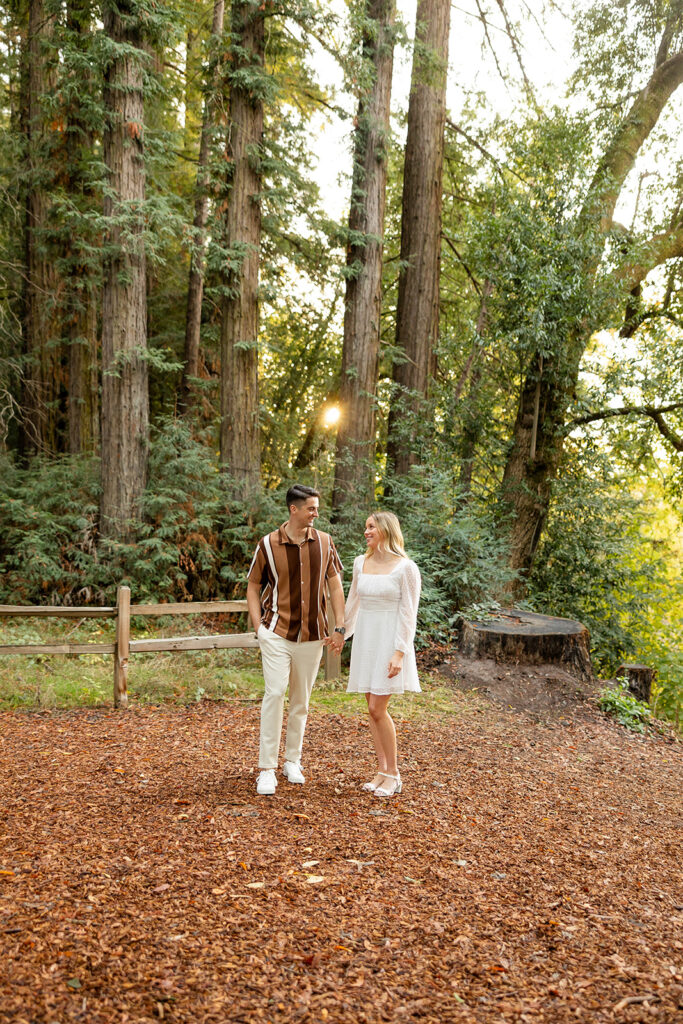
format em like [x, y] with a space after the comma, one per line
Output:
[305, 514]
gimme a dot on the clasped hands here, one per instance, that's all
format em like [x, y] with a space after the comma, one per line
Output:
[335, 641]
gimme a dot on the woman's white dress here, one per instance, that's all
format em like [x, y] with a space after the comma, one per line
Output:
[381, 614]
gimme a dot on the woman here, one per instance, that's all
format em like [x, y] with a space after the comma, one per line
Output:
[381, 613]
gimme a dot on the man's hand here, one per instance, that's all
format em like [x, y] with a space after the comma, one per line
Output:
[335, 641]
[396, 664]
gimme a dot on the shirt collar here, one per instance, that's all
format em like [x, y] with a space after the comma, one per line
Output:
[284, 539]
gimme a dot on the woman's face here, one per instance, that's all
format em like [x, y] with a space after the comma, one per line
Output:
[372, 535]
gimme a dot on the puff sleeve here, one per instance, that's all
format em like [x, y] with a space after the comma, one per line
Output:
[411, 585]
[353, 600]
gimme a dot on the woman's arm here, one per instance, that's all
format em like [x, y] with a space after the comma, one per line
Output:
[407, 609]
[352, 599]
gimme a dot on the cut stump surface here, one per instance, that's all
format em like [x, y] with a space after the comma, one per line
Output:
[520, 637]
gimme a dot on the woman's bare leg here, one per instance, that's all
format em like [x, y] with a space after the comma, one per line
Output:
[379, 750]
[382, 727]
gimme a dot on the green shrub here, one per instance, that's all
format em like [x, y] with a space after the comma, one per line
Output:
[622, 705]
[195, 539]
[459, 551]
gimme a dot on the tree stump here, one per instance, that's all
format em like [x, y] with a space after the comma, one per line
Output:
[640, 679]
[528, 638]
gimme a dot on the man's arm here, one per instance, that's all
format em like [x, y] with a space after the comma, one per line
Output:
[254, 604]
[337, 602]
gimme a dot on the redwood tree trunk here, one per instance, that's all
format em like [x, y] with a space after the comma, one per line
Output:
[124, 321]
[240, 447]
[80, 301]
[354, 466]
[417, 316]
[195, 289]
[42, 372]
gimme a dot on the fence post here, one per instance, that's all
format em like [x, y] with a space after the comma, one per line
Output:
[122, 647]
[332, 660]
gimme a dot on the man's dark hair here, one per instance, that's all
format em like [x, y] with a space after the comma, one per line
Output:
[298, 493]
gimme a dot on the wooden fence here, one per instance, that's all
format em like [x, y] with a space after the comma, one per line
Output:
[123, 646]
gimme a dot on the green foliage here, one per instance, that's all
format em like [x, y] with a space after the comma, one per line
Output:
[195, 538]
[47, 544]
[458, 549]
[613, 562]
[592, 565]
[622, 705]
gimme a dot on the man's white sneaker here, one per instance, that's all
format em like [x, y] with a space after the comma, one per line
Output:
[266, 783]
[292, 772]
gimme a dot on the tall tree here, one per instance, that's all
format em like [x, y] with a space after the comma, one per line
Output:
[551, 375]
[239, 439]
[42, 373]
[81, 271]
[124, 312]
[195, 289]
[354, 470]
[417, 315]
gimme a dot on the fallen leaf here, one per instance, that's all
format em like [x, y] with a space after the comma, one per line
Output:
[310, 863]
[256, 885]
[313, 879]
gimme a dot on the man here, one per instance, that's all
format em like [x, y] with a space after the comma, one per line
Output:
[287, 606]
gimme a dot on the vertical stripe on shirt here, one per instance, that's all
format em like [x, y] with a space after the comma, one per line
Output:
[292, 580]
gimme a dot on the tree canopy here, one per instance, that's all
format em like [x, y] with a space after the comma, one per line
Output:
[496, 316]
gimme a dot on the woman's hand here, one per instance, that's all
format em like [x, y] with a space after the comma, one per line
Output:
[335, 641]
[396, 664]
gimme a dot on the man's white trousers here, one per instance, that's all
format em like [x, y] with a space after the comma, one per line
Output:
[285, 663]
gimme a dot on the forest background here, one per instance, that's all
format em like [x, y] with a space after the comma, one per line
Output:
[484, 334]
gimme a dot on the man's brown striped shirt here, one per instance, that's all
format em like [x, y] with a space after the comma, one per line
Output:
[292, 578]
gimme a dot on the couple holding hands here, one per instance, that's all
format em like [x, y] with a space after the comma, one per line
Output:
[286, 595]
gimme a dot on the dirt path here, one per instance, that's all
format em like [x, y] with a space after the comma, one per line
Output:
[528, 873]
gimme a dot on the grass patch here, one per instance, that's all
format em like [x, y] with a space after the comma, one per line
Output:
[435, 699]
[68, 681]
[54, 680]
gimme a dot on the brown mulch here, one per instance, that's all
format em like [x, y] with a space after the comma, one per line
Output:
[529, 872]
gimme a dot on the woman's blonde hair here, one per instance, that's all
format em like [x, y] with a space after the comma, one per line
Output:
[391, 538]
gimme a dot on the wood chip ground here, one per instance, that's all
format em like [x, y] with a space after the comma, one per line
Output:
[528, 872]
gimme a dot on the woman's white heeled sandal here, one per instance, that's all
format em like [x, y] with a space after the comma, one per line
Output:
[370, 787]
[389, 790]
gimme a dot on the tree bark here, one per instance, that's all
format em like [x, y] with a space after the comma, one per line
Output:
[538, 436]
[240, 446]
[124, 296]
[42, 372]
[527, 638]
[354, 469]
[195, 290]
[639, 678]
[80, 302]
[417, 316]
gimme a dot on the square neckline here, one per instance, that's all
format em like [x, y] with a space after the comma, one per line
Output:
[391, 571]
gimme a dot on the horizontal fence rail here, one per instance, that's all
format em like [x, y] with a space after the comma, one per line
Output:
[124, 646]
